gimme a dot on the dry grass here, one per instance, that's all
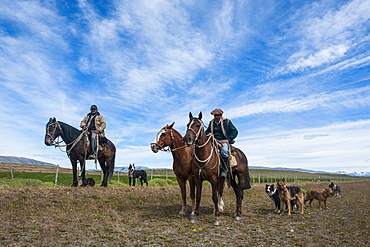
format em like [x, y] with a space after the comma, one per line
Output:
[147, 216]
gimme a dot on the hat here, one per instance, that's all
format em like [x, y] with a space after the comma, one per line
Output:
[93, 107]
[216, 112]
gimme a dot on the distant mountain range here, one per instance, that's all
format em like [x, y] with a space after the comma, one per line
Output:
[22, 160]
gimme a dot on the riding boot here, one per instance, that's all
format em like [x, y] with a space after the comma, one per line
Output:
[224, 166]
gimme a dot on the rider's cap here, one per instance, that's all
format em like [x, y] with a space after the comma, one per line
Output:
[217, 112]
[93, 107]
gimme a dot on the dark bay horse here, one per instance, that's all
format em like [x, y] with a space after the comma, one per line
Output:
[182, 160]
[207, 162]
[134, 174]
[77, 149]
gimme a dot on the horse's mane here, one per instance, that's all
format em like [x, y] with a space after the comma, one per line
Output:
[69, 131]
[177, 132]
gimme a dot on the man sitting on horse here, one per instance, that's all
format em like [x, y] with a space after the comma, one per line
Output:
[225, 132]
[95, 123]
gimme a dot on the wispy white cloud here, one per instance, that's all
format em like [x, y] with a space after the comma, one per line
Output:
[341, 99]
[328, 38]
[341, 145]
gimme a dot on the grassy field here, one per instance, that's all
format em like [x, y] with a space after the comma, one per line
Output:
[147, 216]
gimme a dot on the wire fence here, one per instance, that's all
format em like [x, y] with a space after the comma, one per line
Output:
[256, 176]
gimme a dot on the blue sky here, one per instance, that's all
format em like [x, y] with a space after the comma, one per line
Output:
[293, 76]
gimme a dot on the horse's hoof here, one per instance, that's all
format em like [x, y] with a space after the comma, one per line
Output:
[238, 218]
[216, 223]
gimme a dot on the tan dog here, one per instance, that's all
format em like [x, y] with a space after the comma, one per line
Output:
[288, 194]
[320, 196]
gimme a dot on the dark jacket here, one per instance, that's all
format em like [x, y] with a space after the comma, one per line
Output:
[225, 130]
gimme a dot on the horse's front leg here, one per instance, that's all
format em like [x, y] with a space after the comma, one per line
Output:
[192, 191]
[221, 186]
[74, 171]
[195, 210]
[215, 194]
[182, 185]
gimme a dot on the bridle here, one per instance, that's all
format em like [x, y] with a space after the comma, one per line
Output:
[210, 140]
[166, 148]
[57, 143]
[51, 135]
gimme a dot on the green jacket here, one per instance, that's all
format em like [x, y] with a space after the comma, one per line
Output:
[225, 130]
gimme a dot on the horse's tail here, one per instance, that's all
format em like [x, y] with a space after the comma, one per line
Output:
[243, 159]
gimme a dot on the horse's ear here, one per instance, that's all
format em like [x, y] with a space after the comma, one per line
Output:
[170, 127]
[190, 116]
[200, 115]
[54, 119]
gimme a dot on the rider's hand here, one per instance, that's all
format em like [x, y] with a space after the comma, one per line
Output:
[84, 127]
[96, 131]
[224, 141]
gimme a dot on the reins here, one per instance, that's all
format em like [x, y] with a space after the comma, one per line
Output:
[169, 148]
[211, 141]
[57, 143]
[73, 143]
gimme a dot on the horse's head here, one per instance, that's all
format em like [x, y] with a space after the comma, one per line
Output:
[163, 139]
[53, 130]
[194, 129]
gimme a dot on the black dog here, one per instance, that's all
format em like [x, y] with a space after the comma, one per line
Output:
[336, 189]
[134, 174]
[87, 182]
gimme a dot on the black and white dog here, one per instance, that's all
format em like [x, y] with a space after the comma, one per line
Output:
[134, 174]
[273, 193]
[336, 189]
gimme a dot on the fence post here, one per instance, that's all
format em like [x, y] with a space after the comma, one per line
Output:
[259, 178]
[56, 175]
[118, 175]
[11, 171]
[166, 174]
[151, 174]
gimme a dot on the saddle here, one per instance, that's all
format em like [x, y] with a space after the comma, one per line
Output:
[232, 153]
[100, 143]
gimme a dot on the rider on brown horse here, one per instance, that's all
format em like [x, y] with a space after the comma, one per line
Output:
[96, 124]
[225, 132]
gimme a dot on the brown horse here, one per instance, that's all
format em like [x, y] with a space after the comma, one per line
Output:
[207, 165]
[182, 160]
[77, 149]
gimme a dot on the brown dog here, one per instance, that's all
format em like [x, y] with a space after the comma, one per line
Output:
[288, 194]
[320, 196]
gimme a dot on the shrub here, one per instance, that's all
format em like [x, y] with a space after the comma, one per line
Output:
[161, 182]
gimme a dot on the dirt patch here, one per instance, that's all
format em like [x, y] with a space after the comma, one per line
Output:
[148, 216]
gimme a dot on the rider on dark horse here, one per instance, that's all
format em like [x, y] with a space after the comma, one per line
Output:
[225, 132]
[95, 123]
